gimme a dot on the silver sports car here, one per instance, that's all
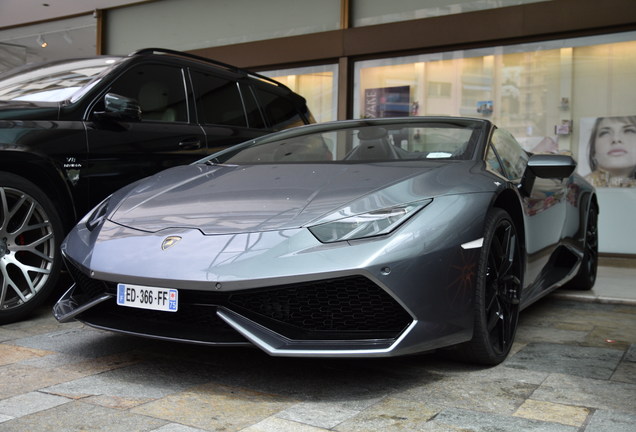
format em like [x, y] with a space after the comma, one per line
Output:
[346, 239]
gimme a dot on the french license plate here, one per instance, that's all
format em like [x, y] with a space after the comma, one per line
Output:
[143, 297]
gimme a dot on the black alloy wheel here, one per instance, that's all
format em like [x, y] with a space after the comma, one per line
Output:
[586, 277]
[497, 293]
[30, 232]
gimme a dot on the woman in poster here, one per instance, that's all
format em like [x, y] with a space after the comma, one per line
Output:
[612, 152]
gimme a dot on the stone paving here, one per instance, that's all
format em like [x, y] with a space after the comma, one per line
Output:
[573, 368]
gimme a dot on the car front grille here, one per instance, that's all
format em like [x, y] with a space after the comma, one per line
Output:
[341, 308]
[348, 309]
[85, 288]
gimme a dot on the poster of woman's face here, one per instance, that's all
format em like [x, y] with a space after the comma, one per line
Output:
[610, 146]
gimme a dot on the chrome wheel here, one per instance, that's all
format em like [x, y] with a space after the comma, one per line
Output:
[27, 247]
[29, 234]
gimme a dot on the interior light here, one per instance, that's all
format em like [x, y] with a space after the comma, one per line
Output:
[40, 40]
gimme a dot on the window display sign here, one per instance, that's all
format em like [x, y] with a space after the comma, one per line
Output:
[607, 149]
[484, 107]
[387, 102]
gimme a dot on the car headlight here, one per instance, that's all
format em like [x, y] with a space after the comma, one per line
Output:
[374, 223]
[97, 215]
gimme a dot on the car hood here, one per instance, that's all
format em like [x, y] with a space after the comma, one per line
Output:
[217, 199]
[23, 110]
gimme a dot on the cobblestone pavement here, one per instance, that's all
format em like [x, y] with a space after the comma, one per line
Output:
[573, 369]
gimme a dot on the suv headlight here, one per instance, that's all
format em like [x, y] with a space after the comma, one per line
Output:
[374, 223]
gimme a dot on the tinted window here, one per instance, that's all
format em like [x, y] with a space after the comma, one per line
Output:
[254, 116]
[158, 89]
[281, 112]
[218, 100]
[511, 154]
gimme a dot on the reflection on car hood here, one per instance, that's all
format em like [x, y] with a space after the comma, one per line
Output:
[233, 199]
[23, 110]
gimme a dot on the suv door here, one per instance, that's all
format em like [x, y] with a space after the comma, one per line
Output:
[122, 151]
[280, 112]
[223, 111]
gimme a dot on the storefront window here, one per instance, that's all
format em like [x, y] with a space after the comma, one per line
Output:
[317, 84]
[540, 92]
[548, 94]
[370, 12]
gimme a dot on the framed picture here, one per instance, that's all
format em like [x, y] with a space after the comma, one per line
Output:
[607, 151]
[607, 159]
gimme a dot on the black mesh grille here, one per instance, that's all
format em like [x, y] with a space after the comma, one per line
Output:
[351, 307]
[85, 288]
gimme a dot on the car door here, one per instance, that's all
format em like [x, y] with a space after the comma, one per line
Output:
[544, 209]
[226, 115]
[122, 151]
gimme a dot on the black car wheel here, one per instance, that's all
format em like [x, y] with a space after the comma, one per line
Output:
[586, 277]
[30, 232]
[497, 292]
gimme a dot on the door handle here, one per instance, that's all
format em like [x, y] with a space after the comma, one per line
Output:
[190, 144]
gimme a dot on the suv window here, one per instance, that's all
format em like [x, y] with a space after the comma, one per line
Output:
[282, 114]
[254, 115]
[218, 100]
[158, 89]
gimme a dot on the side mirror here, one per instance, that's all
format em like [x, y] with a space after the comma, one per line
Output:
[119, 107]
[546, 166]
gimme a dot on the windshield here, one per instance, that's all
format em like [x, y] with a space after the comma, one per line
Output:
[364, 141]
[53, 82]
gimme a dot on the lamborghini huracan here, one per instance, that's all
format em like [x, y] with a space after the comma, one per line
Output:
[359, 238]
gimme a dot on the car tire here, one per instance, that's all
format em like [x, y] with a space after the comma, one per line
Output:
[30, 236]
[586, 276]
[497, 294]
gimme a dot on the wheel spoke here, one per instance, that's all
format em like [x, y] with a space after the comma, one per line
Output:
[46, 257]
[9, 213]
[494, 315]
[32, 246]
[592, 236]
[29, 228]
[9, 283]
[5, 285]
[25, 219]
[507, 250]
[507, 325]
[495, 257]
[4, 209]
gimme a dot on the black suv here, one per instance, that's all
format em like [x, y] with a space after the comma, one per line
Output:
[72, 132]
